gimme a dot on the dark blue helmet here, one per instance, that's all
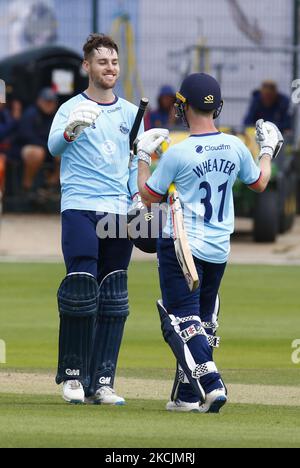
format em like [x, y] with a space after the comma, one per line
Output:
[145, 226]
[202, 92]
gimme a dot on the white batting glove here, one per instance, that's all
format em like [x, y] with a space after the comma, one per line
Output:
[82, 116]
[150, 142]
[269, 138]
[136, 207]
[137, 203]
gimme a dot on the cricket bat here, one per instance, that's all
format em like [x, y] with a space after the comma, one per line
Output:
[181, 243]
[136, 127]
[138, 120]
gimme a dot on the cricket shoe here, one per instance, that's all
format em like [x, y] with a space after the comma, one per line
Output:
[183, 407]
[73, 392]
[214, 401]
[105, 396]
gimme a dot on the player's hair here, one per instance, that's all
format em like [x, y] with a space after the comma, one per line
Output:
[95, 41]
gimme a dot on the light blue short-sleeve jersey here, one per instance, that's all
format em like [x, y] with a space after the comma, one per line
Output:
[95, 172]
[204, 169]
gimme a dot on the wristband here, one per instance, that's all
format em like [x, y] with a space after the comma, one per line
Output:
[69, 138]
[267, 150]
[143, 156]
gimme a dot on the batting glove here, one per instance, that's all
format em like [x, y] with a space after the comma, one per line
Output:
[269, 138]
[137, 203]
[83, 115]
[150, 142]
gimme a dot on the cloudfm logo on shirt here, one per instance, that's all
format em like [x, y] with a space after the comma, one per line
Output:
[200, 149]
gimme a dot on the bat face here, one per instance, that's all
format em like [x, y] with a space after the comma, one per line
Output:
[192, 281]
[181, 244]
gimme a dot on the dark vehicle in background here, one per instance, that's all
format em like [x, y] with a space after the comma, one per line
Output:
[25, 75]
[274, 211]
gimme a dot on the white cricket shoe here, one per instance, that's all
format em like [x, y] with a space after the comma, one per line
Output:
[183, 407]
[73, 392]
[214, 401]
[106, 396]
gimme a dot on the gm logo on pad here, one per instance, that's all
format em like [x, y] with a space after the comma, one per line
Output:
[105, 380]
[209, 99]
[73, 372]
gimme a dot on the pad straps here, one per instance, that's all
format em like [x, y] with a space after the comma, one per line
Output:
[194, 330]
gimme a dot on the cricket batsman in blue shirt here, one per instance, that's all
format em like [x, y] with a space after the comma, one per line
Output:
[91, 134]
[204, 168]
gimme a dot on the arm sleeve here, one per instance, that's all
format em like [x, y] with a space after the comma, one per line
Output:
[7, 128]
[28, 130]
[57, 143]
[164, 175]
[133, 172]
[249, 172]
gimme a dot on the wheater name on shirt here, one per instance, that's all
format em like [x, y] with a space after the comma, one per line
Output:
[217, 165]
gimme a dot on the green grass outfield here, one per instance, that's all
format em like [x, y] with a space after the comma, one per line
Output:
[260, 320]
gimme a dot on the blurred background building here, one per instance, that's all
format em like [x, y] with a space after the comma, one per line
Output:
[239, 42]
[243, 44]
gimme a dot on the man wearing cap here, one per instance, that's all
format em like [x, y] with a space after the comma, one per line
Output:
[32, 138]
[164, 115]
[269, 104]
[204, 168]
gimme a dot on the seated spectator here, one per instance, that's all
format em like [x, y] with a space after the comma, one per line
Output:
[31, 143]
[2, 174]
[10, 115]
[164, 115]
[268, 104]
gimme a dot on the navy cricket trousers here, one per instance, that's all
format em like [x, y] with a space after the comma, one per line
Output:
[179, 301]
[85, 252]
[177, 297]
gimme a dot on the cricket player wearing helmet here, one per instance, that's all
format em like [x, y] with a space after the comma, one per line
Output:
[204, 168]
[91, 133]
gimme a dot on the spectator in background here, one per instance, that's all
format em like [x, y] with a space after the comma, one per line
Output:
[10, 116]
[268, 104]
[33, 131]
[164, 115]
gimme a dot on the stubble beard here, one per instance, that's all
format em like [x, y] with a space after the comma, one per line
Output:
[99, 83]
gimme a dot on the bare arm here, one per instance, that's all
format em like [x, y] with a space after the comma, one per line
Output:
[144, 174]
[148, 143]
[266, 172]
